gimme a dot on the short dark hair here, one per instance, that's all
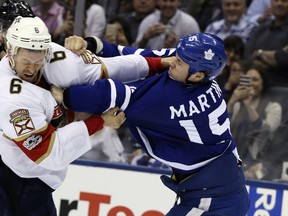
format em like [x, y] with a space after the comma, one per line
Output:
[234, 43]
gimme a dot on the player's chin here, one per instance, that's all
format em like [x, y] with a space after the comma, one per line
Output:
[169, 71]
[171, 75]
[30, 79]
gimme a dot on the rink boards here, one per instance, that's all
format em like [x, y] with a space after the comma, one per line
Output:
[103, 189]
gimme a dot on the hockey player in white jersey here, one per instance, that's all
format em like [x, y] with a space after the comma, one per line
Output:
[75, 69]
[180, 118]
[34, 153]
[63, 69]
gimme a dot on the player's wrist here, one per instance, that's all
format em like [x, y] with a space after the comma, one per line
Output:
[94, 123]
[66, 98]
[94, 44]
[155, 65]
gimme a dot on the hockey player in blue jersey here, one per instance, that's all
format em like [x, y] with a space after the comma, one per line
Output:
[180, 118]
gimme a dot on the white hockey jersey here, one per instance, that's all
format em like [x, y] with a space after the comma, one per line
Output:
[30, 145]
[67, 68]
[26, 111]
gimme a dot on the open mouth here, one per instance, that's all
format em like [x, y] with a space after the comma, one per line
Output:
[28, 75]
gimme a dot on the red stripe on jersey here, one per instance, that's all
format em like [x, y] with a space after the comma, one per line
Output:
[38, 145]
[154, 64]
[94, 123]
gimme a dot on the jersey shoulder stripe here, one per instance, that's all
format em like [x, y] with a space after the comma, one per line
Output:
[36, 146]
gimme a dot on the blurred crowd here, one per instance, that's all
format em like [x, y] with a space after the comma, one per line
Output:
[254, 81]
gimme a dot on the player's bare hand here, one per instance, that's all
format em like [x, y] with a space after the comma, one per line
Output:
[166, 62]
[76, 44]
[113, 118]
[57, 93]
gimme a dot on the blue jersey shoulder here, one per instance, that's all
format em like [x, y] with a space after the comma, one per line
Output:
[110, 50]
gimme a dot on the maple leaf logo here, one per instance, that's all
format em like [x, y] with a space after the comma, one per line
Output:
[209, 54]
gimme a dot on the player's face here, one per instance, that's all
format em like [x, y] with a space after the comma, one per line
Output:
[178, 70]
[28, 64]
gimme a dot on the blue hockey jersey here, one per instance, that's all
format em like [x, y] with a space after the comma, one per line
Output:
[110, 50]
[182, 126]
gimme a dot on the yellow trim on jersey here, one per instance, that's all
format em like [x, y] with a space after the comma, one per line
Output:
[27, 135]
[104, 70]
[51, 144]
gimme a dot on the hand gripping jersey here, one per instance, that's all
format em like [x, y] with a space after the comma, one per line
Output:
[66, 68]
[43, 152]
[181, 126]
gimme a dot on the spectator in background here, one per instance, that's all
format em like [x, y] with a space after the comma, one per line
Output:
[95, 19]
[52, 14]
[271, 160]
[234, 49]
[166, 26]
[254, 116]
[67, 28]
[236, 70]
[268, 44]
[117, 32]
[205, 12]
[234, 22]
[259, 10]
[112, 7]
[141, 8]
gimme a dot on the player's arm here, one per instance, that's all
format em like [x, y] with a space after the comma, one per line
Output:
[105, 49]
[133, 67]
[110, 50]
[30, 130]
[101, 96]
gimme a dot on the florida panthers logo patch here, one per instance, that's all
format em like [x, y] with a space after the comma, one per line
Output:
[22, 122]
[90, 58]
[32, 141]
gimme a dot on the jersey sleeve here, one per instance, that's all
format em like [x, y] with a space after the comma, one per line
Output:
[127, 68]
[66, 68]
[100, 97]
[110, 50]
[25, 123]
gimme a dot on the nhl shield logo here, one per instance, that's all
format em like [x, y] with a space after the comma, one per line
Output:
[22, 122]
[32, 141]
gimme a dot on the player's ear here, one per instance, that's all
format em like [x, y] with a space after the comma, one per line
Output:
[197, 77]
